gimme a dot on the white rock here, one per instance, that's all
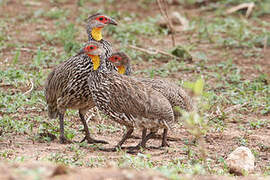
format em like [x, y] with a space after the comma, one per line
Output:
[241, 160]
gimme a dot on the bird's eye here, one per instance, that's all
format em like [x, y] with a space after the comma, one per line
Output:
[116, 58]
[102, 19]
[113, 59]
[90, 48]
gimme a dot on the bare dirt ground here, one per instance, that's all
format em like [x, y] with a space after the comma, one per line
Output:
[218, 144]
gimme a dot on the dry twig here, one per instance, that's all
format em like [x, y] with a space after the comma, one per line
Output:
[31, 89]
[3, 84]
[25, 49]
[156, 51]
[143, 50]
[163, 7]
[248, 6]
[227, 110]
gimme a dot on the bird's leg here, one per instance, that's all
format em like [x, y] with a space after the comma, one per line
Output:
[87, 133]
[135, 137]
[63, 139]
[121, 142]
[144, 131]
[125, 137]
[143, 134]
[147, 137]
[164, 139]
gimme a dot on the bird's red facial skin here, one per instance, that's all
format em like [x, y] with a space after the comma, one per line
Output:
[90, 48]
[115, 59]
[102, 19]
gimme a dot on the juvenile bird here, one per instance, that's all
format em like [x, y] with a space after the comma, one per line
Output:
[127, 101]
[174, 93]
[66, 86]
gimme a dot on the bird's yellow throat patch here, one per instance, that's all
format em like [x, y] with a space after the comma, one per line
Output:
[96, 34]
[95, 61]
[121, 69]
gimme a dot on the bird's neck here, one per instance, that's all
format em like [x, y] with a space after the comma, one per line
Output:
[128, 70]
[95, 60]
[121, 69]
[110, 66]
[100, 64]
[95, 34]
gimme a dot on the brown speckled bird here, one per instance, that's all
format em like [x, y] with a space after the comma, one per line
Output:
[174, 93]
[129, 102]
[66, 86]
[94, 25]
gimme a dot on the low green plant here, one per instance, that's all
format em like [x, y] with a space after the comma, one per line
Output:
[56, 13]
[195, 121]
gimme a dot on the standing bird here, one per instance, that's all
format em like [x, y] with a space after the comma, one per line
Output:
[66, 86]
[174, 93]
[127, 101]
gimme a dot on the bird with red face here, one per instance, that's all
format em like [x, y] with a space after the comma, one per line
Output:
[128, 101]
[94, 25]
[122, 62]
[66, 86]
[174, 93]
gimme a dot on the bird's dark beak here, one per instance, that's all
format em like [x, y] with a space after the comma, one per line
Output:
[112, 21]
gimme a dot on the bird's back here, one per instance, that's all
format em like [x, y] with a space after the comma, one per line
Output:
[174, 93]
[125, 98]
[68, 80]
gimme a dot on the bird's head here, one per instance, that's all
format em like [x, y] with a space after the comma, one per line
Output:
[121, 61]
[94, 50]
[95, 23]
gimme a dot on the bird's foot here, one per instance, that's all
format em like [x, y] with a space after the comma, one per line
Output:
[135, 149]
[134, 137]
[93, 141]
[108, 149]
